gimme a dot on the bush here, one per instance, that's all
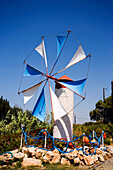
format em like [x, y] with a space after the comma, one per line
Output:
[107, 141]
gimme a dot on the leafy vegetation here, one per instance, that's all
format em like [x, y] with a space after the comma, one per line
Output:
[103, 111]
[10, 128]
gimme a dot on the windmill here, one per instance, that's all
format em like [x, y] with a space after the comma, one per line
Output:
[63, 119]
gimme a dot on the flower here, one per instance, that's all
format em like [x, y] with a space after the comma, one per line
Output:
[9, 142]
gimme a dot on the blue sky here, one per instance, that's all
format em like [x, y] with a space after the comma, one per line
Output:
[22, 23]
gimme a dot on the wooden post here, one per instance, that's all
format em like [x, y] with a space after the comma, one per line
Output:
[93, 134]
[112, 101]
[45, 139]
[102, 139]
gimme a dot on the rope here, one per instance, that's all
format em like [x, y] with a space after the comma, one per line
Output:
[6, 158]
[75, 138]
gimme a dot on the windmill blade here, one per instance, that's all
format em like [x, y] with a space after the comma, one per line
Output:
[79, 56]
[31, 71]
[75, 86]
[41, 50]
[58, 110]
[28, 93]
[61, 42]
[39, 110]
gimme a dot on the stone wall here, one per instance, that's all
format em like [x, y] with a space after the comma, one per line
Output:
[37, 157]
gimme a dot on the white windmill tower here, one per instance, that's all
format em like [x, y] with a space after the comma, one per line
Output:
[64, 126]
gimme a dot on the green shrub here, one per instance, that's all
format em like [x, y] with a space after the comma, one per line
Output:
[107, 141]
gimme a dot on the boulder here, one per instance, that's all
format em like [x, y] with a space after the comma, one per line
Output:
[55, 151]
[31, 151]
[56, 159]
[48, 156]
[80, 152]
[24, 150]
[95, 158]
[100, 158]
[40, 153]
[108, 155]
[71, 155]
[31, 162]
[65, 161]
[98, 151]
[80, 157]
[110, 149]
[88, 160]
[92, 150]
[76, 160]
[19, 155]
[14, 151]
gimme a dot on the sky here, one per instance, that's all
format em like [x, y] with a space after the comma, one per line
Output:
[24, 22]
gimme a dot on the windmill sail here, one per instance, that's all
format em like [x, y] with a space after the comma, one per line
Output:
[75, 86]
[28, 93]
[30, 71]
[60, 43]
[39, 110]
[41, 50]
[79, 55]
[58, 110]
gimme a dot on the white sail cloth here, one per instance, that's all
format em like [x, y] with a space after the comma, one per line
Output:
[63, 122]
[28, 94]
[58, 110]
[79, 55]
[41, 50]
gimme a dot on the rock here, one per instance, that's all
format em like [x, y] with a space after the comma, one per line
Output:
[31, 162]
[55, 151]
[14, 151]
[24, 150]
[71, 155]
[81, 163]
[31, 151]
[108, 155]
[101, 159]
[26, 156]
[48, 156]
[14, 164]
[80, 157]
[40, 153]
[110, 149]
[19, 155]
[6, 157]
[98, 151]
[92, 150]
[80, 152]
[95, 158]
[4, 166]
[74, 153]
[88, 160]
[76, 160]
[56, 159]
[64, 161]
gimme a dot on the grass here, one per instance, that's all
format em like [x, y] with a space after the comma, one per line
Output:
[49, 167]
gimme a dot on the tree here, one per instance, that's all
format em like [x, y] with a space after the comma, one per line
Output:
[4, 108]
[103, 111]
